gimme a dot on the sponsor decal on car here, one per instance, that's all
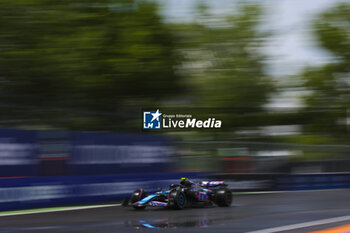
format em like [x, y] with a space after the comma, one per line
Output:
[158, 203]
[211, 183]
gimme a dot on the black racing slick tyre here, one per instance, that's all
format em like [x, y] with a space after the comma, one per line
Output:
[136, 196]
[177, 199]
[223, 197]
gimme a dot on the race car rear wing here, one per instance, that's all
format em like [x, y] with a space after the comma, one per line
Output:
[212, 183]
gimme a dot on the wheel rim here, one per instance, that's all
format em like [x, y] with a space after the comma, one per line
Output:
[181, 199]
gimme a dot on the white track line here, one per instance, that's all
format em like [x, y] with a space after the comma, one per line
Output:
[303, 225]
[59, 210]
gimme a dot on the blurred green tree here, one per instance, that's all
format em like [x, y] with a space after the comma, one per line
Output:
[225, 64]
[83, 64]
[329, 85]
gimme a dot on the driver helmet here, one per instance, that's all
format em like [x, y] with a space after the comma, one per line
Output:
[186, 182]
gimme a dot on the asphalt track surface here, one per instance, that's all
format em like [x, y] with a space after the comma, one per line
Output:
[255, 212]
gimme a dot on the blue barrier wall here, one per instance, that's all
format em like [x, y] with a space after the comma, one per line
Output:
[69, 168]
[103, 153]
[60, 153]
[313, 181]
[18, 151]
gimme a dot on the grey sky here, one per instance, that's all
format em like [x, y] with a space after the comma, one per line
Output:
[291, 45]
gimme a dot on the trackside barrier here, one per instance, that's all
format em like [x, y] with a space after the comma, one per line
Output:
[284, 182]
[36, 192]
[248, 182]
[313, 181]
[64, 153]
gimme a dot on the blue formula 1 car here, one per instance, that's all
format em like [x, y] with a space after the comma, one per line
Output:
[185, 194]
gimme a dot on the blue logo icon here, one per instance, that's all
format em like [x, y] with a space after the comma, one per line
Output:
[151, 120]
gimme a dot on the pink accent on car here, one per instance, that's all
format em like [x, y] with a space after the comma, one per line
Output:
[140, 195]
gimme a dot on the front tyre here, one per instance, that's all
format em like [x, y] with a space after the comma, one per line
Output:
[177, 199]
[136, 196]
[224, 197]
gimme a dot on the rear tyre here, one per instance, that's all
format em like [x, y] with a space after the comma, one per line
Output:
[125, 202]
[177, 199]
[136, 196]
[224, 197]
